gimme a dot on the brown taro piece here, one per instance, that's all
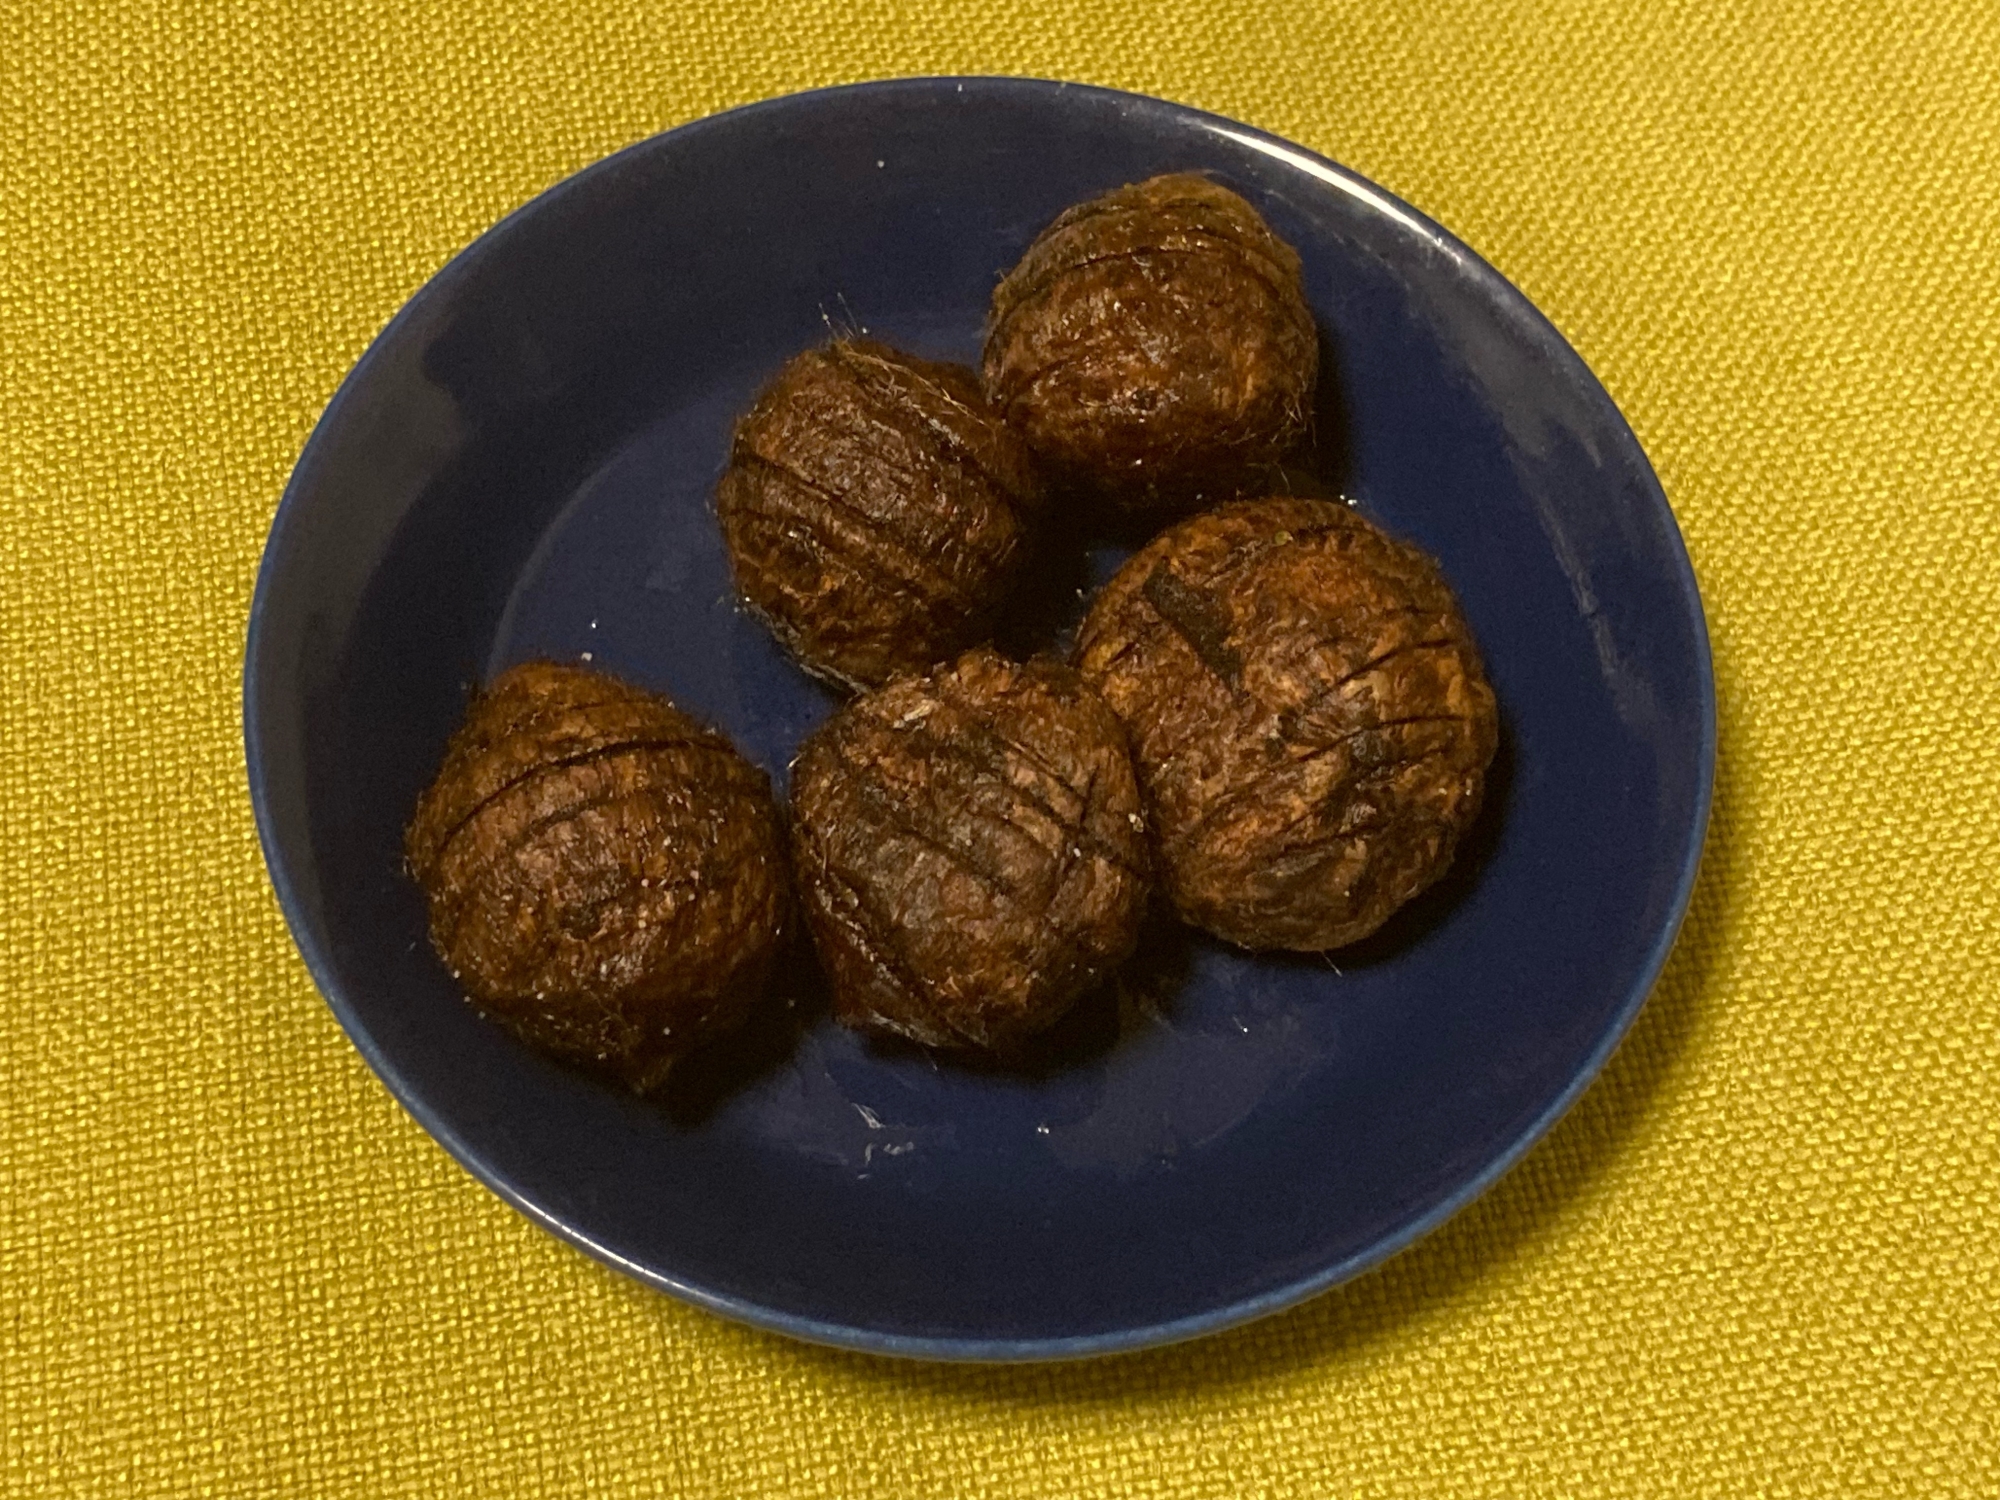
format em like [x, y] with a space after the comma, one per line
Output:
[1155, 344]
[877, 511]
[1307, 712]
[605, 876]
[970, 852]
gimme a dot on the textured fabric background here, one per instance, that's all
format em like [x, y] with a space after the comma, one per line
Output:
[1759, 1258]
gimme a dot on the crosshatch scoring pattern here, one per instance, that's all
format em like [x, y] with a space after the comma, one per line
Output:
[1759, 1258]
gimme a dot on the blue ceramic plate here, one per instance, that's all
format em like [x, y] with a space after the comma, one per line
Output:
[522, 465]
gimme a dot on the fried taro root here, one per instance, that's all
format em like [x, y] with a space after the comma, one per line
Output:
[1307, 712]
[876, 510]
[970, 852]
[1155, 344]
[605, 876]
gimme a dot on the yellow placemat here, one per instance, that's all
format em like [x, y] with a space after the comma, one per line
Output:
[1759, 1259]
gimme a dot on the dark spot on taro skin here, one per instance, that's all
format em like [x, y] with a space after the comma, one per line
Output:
[1200, 619]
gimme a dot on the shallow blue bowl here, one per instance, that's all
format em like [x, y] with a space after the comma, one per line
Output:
[521, 465]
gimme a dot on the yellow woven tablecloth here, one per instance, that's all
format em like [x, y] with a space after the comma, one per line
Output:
[1759, 1258]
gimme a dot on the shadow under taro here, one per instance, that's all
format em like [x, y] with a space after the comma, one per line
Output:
[1141, 992]
[705, 1080]
[1042, 613]
[1327, 457]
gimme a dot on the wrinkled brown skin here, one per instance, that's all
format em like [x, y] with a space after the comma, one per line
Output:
[970, 852]
[1307, 712]
[605, 876]
[876, 510]
[1155, 344]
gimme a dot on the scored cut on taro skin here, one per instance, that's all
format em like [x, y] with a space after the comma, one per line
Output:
[971, 852]
[876, 510]
[1155, 344]
[1308, 713]
[603, 874]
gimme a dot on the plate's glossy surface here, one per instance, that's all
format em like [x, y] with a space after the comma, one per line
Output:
[521, 465]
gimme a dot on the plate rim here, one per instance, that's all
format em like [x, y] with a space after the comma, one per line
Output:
[1492, 286]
